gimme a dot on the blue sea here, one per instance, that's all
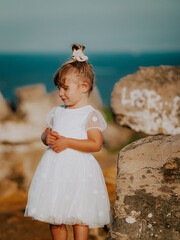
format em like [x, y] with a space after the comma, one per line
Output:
[23, 69]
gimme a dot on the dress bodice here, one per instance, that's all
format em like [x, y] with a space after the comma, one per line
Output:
[74, 123]
[70, 122]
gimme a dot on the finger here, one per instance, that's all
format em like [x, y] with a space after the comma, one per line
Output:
[54, 133]
[56, 136]
[49, 143]
[56, 150]
[52, 142]
[52, 145]
[49, 138]
[52, 137]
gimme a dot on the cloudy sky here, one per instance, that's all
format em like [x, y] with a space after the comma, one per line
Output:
[101, 25]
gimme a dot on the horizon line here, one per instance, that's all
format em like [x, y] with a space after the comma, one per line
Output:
[90, 52]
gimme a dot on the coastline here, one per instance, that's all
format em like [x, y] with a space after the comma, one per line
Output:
[18, 70]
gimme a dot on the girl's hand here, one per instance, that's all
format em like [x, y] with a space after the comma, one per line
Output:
[60, 144]
[51, 137]
[55, 134]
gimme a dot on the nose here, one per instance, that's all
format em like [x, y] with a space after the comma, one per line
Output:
[61, 92]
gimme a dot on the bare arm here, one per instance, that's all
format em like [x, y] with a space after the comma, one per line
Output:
[92, 144]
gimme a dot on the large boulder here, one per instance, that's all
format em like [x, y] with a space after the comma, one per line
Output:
[148, 186]
[34, 103]
[149, 100]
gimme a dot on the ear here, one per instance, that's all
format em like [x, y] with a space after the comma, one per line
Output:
[85, 87]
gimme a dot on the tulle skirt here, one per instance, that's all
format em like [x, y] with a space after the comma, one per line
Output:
[68, 187]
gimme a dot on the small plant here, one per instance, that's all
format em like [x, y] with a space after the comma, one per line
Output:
[108, 114]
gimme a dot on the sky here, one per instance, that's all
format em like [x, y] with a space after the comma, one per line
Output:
[51, 26]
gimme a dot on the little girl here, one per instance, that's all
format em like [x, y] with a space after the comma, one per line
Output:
[68, 185]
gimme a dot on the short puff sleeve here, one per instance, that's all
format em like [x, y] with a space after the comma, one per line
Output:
[50, 117]
[95, 120]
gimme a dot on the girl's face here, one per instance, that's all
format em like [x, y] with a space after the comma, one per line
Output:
[73, 93]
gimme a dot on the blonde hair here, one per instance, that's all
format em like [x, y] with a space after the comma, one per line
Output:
[83, 69]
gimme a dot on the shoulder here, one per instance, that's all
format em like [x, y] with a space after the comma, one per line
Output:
[91, 109]
[54, 109]
[94, 112]
[95, 119]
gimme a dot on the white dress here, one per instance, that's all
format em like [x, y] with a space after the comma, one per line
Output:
[69, 187]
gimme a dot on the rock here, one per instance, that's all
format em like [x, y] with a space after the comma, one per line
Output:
[18, 163]
[30, 92]
[20, 132]
[5, 111]
[34, 104]
[149, 100]
[148, 186]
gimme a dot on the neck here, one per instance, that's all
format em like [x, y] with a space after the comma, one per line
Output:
[80, 104]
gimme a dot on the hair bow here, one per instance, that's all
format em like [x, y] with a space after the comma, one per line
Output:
[79, 55]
